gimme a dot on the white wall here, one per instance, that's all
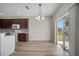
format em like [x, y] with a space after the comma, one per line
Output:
[74, 34]
[72, 17]
[40, 30]
[77, 31]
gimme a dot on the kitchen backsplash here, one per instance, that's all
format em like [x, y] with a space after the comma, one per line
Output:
[13, 31]
[6, 30]
[21, 31]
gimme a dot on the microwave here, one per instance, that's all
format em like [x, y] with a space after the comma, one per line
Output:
[15, 26]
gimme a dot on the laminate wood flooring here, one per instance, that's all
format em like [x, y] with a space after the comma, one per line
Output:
[38, 49]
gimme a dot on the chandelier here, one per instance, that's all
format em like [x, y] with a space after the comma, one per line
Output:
[40, 16]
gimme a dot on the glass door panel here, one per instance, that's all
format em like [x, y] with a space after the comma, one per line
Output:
[66, 35]
[63, 32]
[60, 36]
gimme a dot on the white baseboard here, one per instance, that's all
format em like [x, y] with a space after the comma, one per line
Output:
[40, 40]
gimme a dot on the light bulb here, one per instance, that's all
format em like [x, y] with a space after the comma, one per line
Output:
[39, 16]
[42, 18]
[36, 17]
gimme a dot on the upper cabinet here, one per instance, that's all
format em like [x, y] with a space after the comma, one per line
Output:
[23, 23]
[7, 23]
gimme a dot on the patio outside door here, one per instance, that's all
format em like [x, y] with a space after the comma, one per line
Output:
[62, 32]
[66, 34]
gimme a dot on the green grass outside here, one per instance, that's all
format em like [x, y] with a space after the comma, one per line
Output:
[61, 37]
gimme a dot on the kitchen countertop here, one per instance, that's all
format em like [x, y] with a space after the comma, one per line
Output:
[3, 35]
[10, 35]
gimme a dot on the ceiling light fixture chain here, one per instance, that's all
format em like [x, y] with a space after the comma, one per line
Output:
[40, 9]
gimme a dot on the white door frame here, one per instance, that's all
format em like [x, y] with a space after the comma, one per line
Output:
[56, 39]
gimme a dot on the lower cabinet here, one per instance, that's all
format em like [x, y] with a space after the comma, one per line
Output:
[10, 45]
[22, 37]
[7, 44]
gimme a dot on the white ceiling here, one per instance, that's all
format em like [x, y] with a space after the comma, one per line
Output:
[18, 9]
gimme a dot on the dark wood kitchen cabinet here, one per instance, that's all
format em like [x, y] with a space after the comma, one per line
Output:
[16, 21]
[5, 23]
[22, 37]
[23, 23]
[0, 23]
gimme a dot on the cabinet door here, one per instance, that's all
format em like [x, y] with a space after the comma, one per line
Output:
[6, 23]
[0, 23]
[10, 44]
[16, 21]
[22, 37]
[24, 23]
[9, 23]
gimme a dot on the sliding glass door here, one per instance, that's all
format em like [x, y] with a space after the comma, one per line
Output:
[66, 34]
[60, 36]
[62, 32]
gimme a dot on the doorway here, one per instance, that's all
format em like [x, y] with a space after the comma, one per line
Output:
[59, 31]
[62, 32]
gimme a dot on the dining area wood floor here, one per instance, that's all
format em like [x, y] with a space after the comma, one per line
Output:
[38, 49]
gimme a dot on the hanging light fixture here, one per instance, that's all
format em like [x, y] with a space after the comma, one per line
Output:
[40, 17]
